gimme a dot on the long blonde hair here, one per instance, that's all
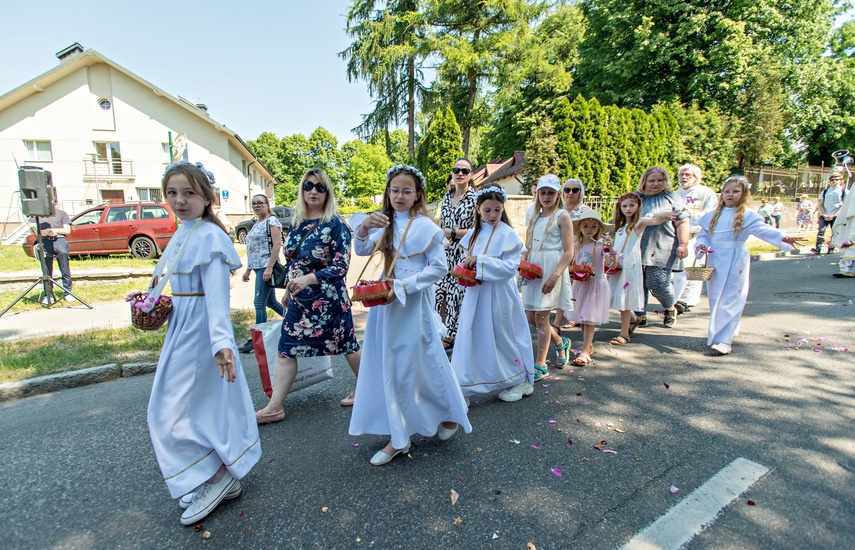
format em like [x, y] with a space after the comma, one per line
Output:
[330, 207]
[739, 209]
[642, 183]
[538, 210]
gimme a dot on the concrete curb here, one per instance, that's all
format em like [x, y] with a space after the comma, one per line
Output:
[55, 382]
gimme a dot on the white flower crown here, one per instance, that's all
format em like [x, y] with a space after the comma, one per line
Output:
[208, 174]
[406, 168]
[492, 189]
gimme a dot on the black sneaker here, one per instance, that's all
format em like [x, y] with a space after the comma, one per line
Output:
[830, 250]
[670, 318]
[814, 251]
[681, 308]
[246, 348]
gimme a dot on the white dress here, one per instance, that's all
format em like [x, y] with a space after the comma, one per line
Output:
[493, 348]
[699, 200]
[197, 420]
[727, 288]
[843, 235]
[405, 383]
[546, 251]
[627, 285]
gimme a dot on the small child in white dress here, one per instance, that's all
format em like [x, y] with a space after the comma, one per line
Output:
[493, 347]
[549, 244]
[625, 276]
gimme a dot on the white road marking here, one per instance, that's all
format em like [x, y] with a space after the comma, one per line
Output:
[699, 509]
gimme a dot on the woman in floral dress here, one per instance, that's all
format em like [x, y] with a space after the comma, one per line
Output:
[318, 318]
[457, 217]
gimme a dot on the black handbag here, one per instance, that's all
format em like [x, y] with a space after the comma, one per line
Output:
[279, 277]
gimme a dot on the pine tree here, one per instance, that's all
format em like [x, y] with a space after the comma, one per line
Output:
[438, 150]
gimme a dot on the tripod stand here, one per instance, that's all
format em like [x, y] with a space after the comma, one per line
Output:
[46, 281]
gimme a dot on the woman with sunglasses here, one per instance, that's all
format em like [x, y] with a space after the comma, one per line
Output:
[318, 319]
[456, 218]
[263, 244]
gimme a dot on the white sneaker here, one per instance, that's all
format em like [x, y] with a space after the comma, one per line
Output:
[69, 298]
[45, 301]
[720, 348]
[206, 498]
[517, 392]
[185, 501]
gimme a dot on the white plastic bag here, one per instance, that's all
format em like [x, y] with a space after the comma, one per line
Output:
[265, 344]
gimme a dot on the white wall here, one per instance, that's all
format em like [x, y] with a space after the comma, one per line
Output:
[68, 115]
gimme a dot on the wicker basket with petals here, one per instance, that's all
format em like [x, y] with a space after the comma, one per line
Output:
[151, 320]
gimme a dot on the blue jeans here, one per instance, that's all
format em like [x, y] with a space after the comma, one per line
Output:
[265, 296]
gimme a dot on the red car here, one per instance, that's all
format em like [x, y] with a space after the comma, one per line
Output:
[141, 228]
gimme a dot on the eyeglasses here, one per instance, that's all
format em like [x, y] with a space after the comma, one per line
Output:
[572, 189]
[259, 203]
[407, 193]
[464, 171]
[321, 187]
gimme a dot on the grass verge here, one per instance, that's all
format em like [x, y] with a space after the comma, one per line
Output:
[92, 292]
[13, 258]
[69, 352]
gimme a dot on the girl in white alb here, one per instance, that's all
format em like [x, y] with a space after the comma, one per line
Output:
[493, 347]
[200, 415]
[722, 238]
[405, 384]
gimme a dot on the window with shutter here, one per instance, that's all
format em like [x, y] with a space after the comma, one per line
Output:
[39, 151]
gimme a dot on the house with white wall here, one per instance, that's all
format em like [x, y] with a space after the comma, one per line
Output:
[105, 135]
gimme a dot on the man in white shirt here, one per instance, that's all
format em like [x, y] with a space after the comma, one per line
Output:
[828, 205]
[699, 200]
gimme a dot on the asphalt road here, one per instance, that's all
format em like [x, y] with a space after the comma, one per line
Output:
[81, 472]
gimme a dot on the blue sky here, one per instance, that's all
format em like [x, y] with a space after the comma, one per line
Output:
[258, 66]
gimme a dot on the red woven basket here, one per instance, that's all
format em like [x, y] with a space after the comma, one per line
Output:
[530, 271]
[371, 293]
[465, 277]
[581, 272]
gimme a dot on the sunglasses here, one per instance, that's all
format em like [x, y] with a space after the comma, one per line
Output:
[259, 203]
[321, 187]
[571, 189]
[464, 171]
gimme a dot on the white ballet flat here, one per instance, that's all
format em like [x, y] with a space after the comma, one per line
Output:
[380, 458]
[721, 348]
[444, 433]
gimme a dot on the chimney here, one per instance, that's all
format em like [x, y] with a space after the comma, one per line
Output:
[201, 106]
[70, 51]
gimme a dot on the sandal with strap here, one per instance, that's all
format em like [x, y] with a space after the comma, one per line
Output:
[582, 359]
[540, 372]
[565, 347]
[619, 340]
[637, 323]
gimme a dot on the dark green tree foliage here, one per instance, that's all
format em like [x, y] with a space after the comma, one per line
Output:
[471, 38]
[707, 139]
[535, 73]
[387, 52]
[541, 153]
[438, 150]
[637, 53]
[395, 143]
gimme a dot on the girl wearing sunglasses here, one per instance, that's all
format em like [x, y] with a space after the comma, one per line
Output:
[457, 216]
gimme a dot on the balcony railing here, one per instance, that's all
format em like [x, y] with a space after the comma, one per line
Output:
[108, 168]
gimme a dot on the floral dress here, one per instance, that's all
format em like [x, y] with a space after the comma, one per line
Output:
[448, 292]
[319, 320]
[805, 213]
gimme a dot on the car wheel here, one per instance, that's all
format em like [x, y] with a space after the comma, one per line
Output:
[241, 236]
[143, 248]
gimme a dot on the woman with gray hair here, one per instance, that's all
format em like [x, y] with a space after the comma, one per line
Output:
[573, 194]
